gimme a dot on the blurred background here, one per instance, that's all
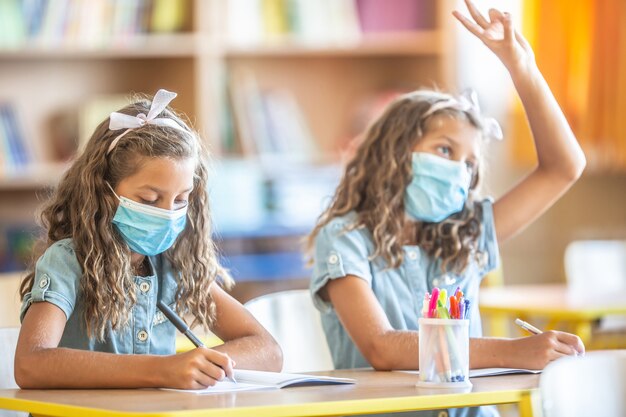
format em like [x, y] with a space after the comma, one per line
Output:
[281, 91]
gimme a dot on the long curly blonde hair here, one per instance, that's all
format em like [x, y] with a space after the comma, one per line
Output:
[82, 208]
[375, 180]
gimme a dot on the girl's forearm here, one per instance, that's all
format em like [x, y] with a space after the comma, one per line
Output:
[254, 352]
[489, 353]
[71, 368]
[557, 148]
[400, 350]
[395, 349]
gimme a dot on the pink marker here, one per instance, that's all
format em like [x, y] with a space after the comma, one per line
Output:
[432, 306]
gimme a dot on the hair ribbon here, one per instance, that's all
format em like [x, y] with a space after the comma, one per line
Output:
[118, 121]
[468, 102]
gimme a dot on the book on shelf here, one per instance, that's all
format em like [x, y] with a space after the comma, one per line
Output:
[275, 19]
[13, 30]
[395, 15]
[323, 22]
[17, 242]
[168, 16]
[259, 380]
[255, 22]
[244, 25]
[93, 23]
[269, 123]
[15, 151]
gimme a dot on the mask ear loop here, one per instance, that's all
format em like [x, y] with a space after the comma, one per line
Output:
[113, 191]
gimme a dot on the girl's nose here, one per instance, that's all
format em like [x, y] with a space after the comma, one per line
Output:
[168, 205]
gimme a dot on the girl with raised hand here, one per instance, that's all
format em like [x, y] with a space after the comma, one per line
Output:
[406, 217]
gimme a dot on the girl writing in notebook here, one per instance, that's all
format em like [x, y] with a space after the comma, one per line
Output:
[129, 225]
[406, 217]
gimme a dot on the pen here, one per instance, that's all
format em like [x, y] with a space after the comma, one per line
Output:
[527, 326]
[182, 327]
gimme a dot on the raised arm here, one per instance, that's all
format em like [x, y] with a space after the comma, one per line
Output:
[386, 348]
[560, 158]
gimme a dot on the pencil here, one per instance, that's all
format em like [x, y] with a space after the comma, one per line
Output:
[182, 327]
[527, 326]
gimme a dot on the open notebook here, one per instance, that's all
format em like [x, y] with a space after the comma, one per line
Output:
[477, 373]
[259, 380]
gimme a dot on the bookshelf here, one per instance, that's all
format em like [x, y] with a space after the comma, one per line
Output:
[325, 79]
[329, 76]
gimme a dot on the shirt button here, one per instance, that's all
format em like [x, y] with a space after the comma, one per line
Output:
[142, 336]
[43, 282]
[144, 287]
[412, 255]
[333, 259]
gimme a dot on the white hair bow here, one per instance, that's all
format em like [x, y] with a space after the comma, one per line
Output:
[160, 101]
[468, 101]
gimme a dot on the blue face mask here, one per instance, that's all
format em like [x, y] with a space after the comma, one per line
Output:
[148, 230]
[438, 189]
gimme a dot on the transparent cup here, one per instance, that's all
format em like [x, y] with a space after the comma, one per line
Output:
[444, 353]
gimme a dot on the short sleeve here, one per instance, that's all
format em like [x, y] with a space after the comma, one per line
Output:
[339, 253]
[57, 277]
[488, 242]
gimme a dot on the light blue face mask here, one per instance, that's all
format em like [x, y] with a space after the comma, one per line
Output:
[148, 230]
[438, 189]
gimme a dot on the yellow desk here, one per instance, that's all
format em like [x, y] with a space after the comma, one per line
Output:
[549, 302]
[374, 392]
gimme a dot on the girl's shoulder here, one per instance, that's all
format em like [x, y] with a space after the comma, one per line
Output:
[341, 225]
[60, 252]
[342, 229]
[63, 247]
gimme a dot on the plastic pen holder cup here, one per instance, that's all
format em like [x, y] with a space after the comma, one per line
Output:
[444, 353]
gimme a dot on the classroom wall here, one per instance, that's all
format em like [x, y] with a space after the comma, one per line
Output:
[9, 300]
[594, 208]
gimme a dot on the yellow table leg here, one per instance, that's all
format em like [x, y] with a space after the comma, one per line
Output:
[530, 405]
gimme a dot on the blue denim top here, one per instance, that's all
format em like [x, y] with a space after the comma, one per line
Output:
[400, 291]
[57, 281]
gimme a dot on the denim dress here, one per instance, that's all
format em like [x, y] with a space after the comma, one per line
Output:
[400, 291]
[57, 281]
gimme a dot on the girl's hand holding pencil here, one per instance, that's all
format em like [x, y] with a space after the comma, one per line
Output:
[197, 369]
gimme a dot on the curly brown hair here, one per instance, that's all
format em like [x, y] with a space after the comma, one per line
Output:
[82, 208]
[375, 180]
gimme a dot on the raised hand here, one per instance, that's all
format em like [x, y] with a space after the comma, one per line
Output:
[499, 35]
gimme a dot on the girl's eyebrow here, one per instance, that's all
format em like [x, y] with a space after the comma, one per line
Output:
[159, 191]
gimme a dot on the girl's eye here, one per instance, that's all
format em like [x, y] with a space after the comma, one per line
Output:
[182, 203]
[444, 150]
[144, 201]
